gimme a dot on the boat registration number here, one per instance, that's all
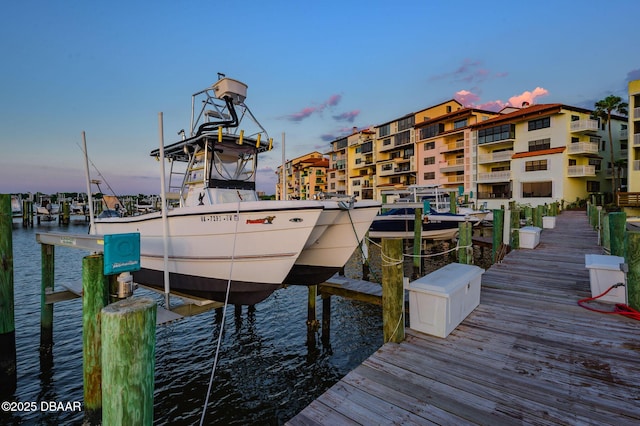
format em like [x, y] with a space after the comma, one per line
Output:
[219, 218]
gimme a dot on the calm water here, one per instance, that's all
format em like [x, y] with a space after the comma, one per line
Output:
[266, 372]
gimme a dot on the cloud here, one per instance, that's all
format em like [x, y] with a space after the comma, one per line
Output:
[470, 72]
[471, 100]
[529, 97]
[347, 116]
[633, 75]
[309, 111]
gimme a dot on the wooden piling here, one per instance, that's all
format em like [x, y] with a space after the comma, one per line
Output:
[326, 320]
[65, 216]
[528, 216]
[417, 242]
[498, 229]
[95, 297]
[128, 330]
[453, 206]
[465, 253]
[514, 226]
[617, 228]
[633, 276]
[392, 290]
[312, 322]
[8, 376]
[606, 234]
[47, 255]
[537, 217]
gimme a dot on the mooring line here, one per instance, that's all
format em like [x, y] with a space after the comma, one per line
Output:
[224, 315]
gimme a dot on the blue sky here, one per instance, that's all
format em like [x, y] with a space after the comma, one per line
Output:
[315, 70]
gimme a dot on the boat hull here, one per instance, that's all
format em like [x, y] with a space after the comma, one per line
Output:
[400, 224]
[251, 244]
[342, 231]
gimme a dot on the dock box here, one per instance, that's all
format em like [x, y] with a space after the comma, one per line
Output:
[605, 271]
[548, 222]
[529, 237]
[439, 301]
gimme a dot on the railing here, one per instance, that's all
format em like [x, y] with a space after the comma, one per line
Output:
[636, 113]
[584, 125]
[452, 146]
[452, 179]
[628, 199]
[624, 133]
[580, 171]
[502, 176]
[583, 148]
[636, 139]
[495, 157]
[636, 165]
[498, 195]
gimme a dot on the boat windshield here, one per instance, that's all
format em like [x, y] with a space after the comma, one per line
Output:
[234, 162]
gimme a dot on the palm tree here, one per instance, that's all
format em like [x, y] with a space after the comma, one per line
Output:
[603, 110]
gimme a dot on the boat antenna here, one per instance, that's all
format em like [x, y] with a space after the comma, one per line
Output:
[102, 176]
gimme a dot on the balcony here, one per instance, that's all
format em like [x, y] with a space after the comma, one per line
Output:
[455, 165]
[454, 146]
[447, 180]
[636, 165]
[636, 113]
[581, 171]
[502, 176]
[495, 157]
[584, 126]
[583, 148]
[628, 199]
[636, 140]
[494, 195]
[624, 134]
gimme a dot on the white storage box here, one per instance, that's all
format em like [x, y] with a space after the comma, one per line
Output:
[548, 222]
[529, 237]
[604, 271]
[439, 301]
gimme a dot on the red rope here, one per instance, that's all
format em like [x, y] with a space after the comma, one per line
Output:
[619, 308]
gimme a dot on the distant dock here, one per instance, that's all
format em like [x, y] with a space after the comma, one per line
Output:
[527, 355]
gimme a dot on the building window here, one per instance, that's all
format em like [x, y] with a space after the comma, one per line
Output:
[429, 160]
[367, 147]
[384, 130]
[429, 146]
[341, 144]
[448, 109]
[536, 189]
[595, 162]
[593, 186]
[402, 138]
[497, 133]
[431, 131]
[532, 166]
[460, 123]
[386, 142]
[573, 162]
[540, 123]
[539, 145]
[406, 123]
[574, 139]
[429, 175]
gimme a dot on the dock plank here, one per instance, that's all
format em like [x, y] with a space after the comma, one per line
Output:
[527, 355]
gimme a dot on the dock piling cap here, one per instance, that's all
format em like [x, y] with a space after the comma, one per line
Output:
[130, 305]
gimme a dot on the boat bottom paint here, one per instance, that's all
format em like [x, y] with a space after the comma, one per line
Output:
[241, 293]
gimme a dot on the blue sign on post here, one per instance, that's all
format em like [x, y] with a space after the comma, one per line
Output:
[121, 253]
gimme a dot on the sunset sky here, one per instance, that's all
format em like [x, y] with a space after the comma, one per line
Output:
[315, 70]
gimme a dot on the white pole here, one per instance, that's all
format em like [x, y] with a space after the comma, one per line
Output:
[165, 222]
[92, 227]
[283, 188]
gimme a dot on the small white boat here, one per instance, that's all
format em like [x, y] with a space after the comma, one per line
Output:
[16, 206]
[438, 223]
[219, 232]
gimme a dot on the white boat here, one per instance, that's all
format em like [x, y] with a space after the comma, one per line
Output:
[16, 206]
[218, 231]
[438, 223]
[341, 227]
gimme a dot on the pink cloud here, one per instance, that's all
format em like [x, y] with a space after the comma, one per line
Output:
[529, 97]
[470, 71]
[308, 111]
[347, 116]
[471, 100]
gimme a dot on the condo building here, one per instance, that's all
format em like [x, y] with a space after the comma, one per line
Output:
[631, 200]
[304, 177]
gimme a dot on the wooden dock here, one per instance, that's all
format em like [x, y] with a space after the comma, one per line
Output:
[527, 355]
